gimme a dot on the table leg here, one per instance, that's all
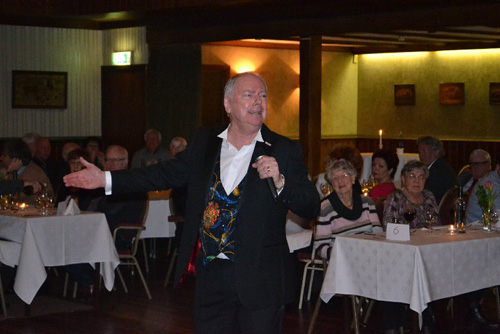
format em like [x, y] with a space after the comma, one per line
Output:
[355, 314]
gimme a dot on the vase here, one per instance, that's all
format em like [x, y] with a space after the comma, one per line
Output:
[490, 217]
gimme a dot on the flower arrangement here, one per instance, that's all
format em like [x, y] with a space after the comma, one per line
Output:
[486, 196]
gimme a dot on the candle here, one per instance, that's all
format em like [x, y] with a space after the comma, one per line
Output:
[22, 206]
[380, 146]
[452, 229]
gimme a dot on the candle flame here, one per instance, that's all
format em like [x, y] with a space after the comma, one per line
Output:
[380, 132]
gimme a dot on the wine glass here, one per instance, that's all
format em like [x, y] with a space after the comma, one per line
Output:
[325, 189]
[430, 219]
[45, 202]
[409, 214]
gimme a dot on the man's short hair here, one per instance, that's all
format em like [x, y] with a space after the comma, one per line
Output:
[480, 153]
[122, 150]
[148, 131]
[228, 88]
[433, 142]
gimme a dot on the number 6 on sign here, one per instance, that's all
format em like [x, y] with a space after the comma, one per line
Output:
[398, 232]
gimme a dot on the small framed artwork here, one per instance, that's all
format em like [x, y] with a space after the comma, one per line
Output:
[404, 95]
[39, 89]
[495, 93]
[452, 93]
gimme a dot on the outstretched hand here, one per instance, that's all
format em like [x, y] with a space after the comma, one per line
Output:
[90, 177]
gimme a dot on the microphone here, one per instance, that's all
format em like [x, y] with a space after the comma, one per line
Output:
[269, 180]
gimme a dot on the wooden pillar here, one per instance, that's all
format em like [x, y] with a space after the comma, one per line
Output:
[174, 88]
[310, 102]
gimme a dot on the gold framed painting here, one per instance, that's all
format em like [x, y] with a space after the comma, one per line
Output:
[404, 95]
[452, 93]
[495, 93]
[39, 89]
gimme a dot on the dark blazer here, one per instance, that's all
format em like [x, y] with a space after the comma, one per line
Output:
[263, 266]
[441, 178]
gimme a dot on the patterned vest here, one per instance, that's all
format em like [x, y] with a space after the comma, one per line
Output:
[217, 229]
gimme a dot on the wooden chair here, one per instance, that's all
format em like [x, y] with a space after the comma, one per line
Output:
[446, 207]
[128, 256]
[379, 206]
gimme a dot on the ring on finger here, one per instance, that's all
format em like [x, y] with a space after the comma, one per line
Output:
[268, 169]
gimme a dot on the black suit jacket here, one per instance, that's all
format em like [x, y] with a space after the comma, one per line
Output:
[263, 265]
[441, 178]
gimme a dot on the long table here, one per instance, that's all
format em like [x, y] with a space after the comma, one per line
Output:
[429, 267]
[49, 241]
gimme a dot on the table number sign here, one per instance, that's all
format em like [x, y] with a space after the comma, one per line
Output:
[398, 232]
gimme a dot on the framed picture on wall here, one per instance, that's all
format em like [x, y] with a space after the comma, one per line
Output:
[495, 93]
[39, 89]
[452, 93]
[404, 95]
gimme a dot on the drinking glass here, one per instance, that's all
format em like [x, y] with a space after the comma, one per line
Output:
[45, 203]
[325, 189]
[409, 214]
[430, 219]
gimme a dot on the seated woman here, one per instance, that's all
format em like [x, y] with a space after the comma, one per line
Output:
[344, 211]
[384, 165]
[409, 205]
[412, 203]
[340, 151]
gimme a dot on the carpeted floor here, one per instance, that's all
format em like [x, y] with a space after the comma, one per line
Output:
[41, 305]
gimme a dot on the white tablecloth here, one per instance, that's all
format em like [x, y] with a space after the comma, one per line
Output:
[157, 224]
[429, 267]
[367, 166]
[57, 241]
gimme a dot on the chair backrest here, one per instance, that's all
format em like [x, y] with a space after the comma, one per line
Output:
[379, 206]
[136, 228]
[446, 206]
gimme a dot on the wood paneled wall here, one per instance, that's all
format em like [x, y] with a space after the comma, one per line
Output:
[456, 151]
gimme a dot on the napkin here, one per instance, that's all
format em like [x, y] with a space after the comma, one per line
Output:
[68, 207]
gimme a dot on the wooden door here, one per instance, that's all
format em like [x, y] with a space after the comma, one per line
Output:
[124, 109]
[213, 80]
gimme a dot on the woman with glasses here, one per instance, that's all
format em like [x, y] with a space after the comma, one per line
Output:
[344, 211]
[412, 204]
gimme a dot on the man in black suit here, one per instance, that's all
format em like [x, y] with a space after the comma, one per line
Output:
[441, 175]
[244, 273]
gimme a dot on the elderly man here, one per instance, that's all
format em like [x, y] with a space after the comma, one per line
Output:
[480, 166]
[473, 212]
[120, 208]
[242, 180]
[42, 159]
[177, 145]
[441, 175]
[152, 153]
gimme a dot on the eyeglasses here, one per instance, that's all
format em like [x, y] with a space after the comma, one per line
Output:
[113, 160]
[420, 177]
[339, 177]
[477, 164]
